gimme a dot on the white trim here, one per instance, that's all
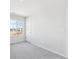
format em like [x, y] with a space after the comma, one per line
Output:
[50, 50]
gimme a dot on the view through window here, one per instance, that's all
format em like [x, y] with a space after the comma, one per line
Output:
[17, 28]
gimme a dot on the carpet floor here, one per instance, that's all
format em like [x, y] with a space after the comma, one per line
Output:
[29, 51]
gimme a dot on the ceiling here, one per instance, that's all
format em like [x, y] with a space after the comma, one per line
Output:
[44, 7]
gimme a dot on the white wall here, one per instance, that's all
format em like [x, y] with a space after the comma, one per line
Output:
[48, 32]
[46, 25]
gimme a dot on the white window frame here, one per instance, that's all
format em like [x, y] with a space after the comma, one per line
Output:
[18, 17]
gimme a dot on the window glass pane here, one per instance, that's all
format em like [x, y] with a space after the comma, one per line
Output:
[16, 27]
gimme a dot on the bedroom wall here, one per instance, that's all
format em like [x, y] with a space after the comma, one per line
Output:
[48, 32]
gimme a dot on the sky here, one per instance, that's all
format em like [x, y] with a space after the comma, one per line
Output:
[16, 24]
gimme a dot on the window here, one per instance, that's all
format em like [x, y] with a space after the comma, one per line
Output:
[17, 28]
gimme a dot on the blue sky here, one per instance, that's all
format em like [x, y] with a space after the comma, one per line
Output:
[16, 24]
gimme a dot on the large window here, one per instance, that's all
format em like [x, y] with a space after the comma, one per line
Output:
[17, 28]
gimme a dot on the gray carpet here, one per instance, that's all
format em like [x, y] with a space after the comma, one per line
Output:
[29, 51]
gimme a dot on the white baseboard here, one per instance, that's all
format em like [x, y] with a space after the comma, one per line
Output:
[52, 51]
